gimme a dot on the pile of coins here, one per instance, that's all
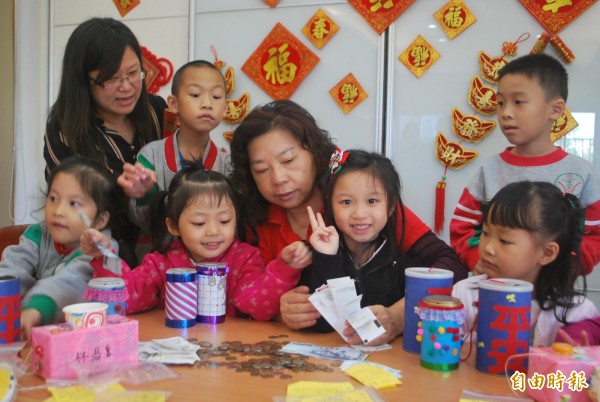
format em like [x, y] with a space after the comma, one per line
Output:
[262, 359]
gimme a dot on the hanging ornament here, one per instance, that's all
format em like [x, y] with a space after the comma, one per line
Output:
[454, 17]
[540, 44]
[419, 56]
[125, 6]
[380, 13]
[490, 66]
[158, 70]
[561, 48]
[171, 122]
[555, 15]
[218, 63]
[470, 128]
[280, 63]
[482, 97]
[320, 29]
[229, 81]
[451, 155]
[237, 109]
[563, 125]
[348, 93]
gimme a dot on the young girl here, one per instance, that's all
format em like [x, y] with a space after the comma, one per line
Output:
[199, 211]
[361, 197]
[532, 232]
[52, 270]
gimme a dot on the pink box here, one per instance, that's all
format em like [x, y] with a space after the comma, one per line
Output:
[61, 353]
[572, 370]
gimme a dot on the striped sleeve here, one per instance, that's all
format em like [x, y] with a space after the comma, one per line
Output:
[465, 228]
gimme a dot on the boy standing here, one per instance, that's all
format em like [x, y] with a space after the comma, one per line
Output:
[198, 96]
[532, 94]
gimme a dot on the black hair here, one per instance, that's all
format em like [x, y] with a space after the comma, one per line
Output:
[191, 182]
[94, 179]
[96, 44]
[381, 169]
[176, 83]
[280, 114]
[548, 71]
[543, 210]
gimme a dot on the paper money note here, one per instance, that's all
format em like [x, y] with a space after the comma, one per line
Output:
[322, 352]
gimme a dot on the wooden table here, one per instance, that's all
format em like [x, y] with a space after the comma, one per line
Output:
[419, 384]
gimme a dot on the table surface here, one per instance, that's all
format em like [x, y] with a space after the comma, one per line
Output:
[204, 383]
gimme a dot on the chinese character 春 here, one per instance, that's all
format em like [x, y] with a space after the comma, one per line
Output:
[452, 18]
[485, 101]
[554, 5]
[517, 381]
[420, 55]
[350, 92]
[320, 29]
[279, 70]
[378, 4]
[577, 381]
[536, 381]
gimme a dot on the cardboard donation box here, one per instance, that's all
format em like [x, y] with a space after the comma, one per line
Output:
[563, 372]
[59, 352]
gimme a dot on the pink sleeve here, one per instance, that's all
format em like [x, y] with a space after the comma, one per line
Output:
[144, 284]
[258, 290]
[464, 229]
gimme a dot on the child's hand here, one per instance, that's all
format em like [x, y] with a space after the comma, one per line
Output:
[30, 318]
[136, 180]
[562, 336]
[324, 239]
[390, 318]
[88, 241]
[297, 255]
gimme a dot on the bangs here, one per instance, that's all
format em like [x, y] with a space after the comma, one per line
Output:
[513, 211]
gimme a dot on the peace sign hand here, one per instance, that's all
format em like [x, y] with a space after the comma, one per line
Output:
[324, 239]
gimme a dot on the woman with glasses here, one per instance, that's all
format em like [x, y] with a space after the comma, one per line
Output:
[103, 110]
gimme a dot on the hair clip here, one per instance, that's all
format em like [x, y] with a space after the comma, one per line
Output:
[337, 160]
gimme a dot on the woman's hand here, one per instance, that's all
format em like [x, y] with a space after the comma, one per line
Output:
[297, 311]
[297, 255]
[88, 241]
[392, 320]
[324, 239]
[136, 180]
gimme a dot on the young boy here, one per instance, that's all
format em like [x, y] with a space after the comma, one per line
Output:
[532, 94]
[198, 96]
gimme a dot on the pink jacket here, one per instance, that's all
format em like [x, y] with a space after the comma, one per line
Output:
[251, 288]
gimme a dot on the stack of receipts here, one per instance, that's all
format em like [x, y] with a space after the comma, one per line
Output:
[338, 302]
